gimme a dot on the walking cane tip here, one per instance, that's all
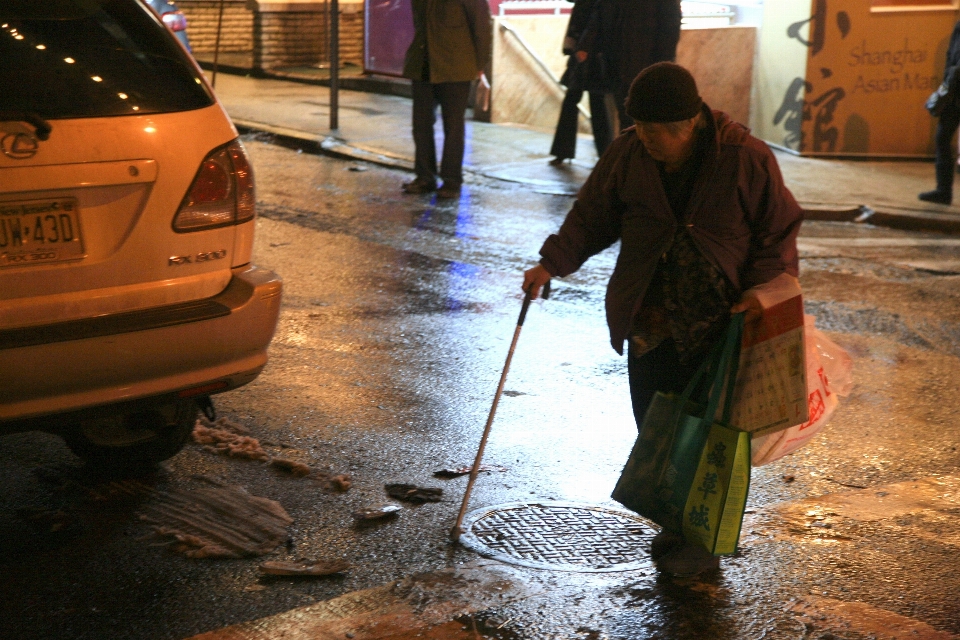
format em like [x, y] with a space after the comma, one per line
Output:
[455, 533]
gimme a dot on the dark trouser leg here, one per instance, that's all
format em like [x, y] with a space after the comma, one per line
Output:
[565, 138]
[424, 116]
[601, 121]
[620, 97]
[453, 97]
[946, 127]
[606, 104]
[657, 370]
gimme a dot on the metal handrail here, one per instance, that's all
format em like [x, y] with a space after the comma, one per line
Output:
[543, 66]
[556, 6]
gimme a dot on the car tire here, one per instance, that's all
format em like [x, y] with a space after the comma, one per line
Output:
[133, 441]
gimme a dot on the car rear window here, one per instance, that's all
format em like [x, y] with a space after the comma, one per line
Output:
[91, 58]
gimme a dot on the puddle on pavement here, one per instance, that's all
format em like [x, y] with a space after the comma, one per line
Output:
[378, 281]
[835, 616]
[438, 605]
[882, 503]
[834, 517]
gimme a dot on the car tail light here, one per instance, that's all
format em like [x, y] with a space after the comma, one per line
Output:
[175, 20]
[222, 192]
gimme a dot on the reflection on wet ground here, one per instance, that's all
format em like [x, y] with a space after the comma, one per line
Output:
[855, 291]
[396, 319]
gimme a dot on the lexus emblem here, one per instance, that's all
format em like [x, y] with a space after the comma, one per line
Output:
[19, 146]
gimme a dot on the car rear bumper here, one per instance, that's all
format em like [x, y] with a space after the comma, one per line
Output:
[197, 348]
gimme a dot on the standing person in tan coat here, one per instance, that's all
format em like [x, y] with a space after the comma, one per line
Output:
[451, 46]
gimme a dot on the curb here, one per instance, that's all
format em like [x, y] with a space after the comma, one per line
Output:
[892, 217]
[369, 83]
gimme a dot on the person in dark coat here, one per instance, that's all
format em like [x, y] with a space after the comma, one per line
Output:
[451, 46]
[946, 128]
[628, 36]
[703, 216]
[575, 78]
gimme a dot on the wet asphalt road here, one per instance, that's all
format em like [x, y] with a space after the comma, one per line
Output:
[397, 315]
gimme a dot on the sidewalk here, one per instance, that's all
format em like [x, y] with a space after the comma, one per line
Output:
[376, 128]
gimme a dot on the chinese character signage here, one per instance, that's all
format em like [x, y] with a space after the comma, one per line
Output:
[850, 77]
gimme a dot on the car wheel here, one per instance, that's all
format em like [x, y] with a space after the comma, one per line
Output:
[133, 440]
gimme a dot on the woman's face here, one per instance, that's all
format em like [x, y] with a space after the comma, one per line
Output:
[668, 142]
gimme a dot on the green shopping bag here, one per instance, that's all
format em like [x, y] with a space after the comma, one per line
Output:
[689, 472]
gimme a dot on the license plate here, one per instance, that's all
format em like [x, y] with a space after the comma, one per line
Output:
[39, 232]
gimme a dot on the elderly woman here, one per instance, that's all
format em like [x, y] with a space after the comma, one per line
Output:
[702, 215]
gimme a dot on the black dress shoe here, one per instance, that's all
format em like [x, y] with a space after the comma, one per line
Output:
[940, 197]
[449, 191]
[687, 561]
[665, 542]
[420, 185]
[556, 162]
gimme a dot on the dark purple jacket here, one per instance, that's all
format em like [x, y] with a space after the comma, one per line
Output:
[740, 214]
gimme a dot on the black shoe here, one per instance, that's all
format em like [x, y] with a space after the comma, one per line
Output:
[420, 185]
[449, 191]
[687, 561]
[937, 196]
[663, 543]
[559, 160]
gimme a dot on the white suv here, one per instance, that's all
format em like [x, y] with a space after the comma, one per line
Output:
[127, 296]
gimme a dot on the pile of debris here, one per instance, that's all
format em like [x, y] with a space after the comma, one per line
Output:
[228, 438]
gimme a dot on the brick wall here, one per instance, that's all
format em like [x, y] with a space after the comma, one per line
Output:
[288, 38]
[237, 31]
[351, 36]
[275, 38]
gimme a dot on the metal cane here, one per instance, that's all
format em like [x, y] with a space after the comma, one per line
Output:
[457, 530]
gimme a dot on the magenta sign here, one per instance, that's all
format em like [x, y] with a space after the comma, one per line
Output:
[388, 27]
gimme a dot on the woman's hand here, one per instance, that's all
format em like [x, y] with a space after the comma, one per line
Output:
[537, 277]
[751, 304]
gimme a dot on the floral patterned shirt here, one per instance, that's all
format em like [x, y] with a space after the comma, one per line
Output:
[688, 300]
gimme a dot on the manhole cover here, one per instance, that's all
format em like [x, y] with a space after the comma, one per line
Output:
[562, 536]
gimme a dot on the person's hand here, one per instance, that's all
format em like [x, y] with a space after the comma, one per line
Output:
[483, 92]
[581, 56]
[751, 304]
[537, 277]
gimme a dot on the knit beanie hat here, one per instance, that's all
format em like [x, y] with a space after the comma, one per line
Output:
[663, 92]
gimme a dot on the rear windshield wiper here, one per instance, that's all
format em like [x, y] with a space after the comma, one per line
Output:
[41, 126]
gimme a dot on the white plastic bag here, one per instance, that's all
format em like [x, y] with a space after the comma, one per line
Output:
[829, 375]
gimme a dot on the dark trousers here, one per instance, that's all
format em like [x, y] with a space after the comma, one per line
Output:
[565, 137]
[452, 98]
[946, 127]
[657, 370]
[620, 104]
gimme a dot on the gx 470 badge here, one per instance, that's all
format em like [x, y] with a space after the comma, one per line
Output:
[203, 256]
